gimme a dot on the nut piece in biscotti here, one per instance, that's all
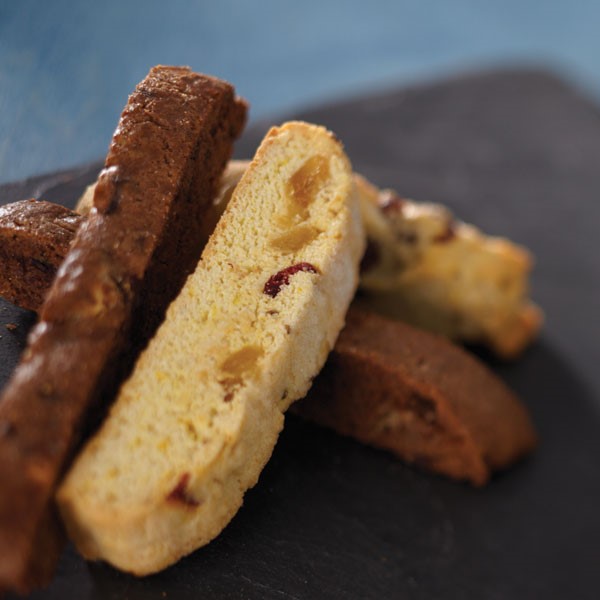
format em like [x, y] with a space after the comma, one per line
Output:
[35, 236]
[140, 241]
[412, 392]
[427, 268]
[198, 419]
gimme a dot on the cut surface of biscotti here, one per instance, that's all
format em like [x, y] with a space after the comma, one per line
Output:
[418, 395]
[194, 425]
[173, 140]
[425, 267]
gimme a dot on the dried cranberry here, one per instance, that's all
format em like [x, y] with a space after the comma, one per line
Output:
[180, 492]
[448, 234]
[390, 202]
[275, 282]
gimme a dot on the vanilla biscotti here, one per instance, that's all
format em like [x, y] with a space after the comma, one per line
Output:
[194, 425]
[431, 270]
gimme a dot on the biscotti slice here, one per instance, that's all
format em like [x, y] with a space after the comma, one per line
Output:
[416, 394]
[198, 419]
[164, 163]
[35, 236]
[425, 267]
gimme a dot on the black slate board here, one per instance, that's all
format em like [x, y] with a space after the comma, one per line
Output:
[516, 152]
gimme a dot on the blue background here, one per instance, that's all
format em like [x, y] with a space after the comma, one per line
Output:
[66, 67]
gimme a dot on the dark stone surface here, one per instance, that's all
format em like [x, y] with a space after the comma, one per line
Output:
[518, 154]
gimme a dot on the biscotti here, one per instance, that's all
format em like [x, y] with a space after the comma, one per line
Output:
[426, 268]
[200, 415]
[35, 237]
[421, 397]
[165, 160]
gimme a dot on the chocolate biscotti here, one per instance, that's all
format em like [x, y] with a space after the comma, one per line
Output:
[421, 397]
[35, 236]
[166, 157]
[194, 425]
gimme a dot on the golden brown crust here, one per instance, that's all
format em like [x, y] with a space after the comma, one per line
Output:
[416, 394]
[173, 140]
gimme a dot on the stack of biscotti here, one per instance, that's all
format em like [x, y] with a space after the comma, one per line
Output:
[201, 412]
[165, 160]
[192, 428]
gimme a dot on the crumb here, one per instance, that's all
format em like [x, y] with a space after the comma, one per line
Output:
[11, 326]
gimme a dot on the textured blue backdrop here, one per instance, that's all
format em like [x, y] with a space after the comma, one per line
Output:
[66, 67]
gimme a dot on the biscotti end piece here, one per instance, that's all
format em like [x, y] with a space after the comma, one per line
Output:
[199, 417]
[164, 163]
[425, 267]
[34, 238]
[416, 394]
